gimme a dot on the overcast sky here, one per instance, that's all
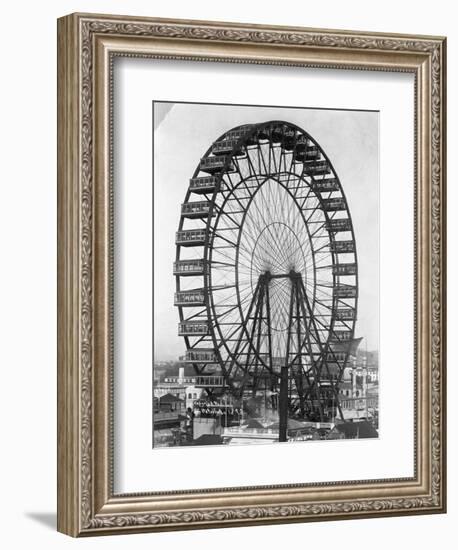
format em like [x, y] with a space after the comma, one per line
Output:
[183, 133]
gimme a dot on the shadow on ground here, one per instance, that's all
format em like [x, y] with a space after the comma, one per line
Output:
[49, 520]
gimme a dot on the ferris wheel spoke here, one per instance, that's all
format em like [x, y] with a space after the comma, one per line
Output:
[319, 231]
[321, 293]
[324, 249]
[261, 161]
[200, 313]
[239, 170]
[223, 302]
[229, 257]
[264, 161]
[272, 160]
[230, 215]
[282, 155]
[323, 259]
[251, 169]
[222, 265]
[218, 236]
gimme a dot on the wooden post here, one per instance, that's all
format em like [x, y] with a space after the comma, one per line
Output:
[283, 405]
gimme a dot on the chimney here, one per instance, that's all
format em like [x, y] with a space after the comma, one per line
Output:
[181, 375]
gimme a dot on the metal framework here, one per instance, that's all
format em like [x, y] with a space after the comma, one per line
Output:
[266, 271]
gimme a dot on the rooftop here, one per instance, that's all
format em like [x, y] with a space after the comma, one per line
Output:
[357, 429]
[169, 398]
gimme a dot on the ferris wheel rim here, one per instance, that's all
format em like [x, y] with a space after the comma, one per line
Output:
[274, 177]
[242, 141]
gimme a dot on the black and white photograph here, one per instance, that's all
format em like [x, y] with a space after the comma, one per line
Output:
[265, 274]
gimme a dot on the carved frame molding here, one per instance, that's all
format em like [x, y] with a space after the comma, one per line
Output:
[87, 45]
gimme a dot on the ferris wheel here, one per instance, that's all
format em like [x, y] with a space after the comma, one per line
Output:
[266, 270]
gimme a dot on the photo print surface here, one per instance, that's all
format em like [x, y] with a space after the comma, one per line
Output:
[266, 274]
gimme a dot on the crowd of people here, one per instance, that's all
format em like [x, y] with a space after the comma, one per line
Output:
[214, 409]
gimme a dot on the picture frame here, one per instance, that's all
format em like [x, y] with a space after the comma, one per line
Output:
[87, 47]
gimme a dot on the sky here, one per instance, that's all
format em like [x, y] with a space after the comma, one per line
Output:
[182, 135]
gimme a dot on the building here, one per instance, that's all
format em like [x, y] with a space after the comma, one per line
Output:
[169, 420]
[353, 430]
[180, 379]
[372, 372]
[192, 394]
[359, 389]
[174, 385]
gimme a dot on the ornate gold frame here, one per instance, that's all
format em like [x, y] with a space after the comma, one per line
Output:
[87, 44]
